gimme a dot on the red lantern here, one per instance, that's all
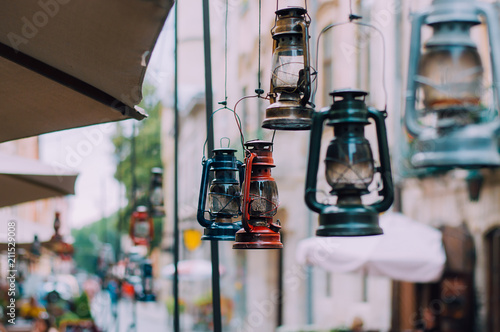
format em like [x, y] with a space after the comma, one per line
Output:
[141, 227]
[260, 200]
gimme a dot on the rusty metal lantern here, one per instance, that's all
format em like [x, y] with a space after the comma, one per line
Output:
[291, 74]
[260, 200]
[141, 226]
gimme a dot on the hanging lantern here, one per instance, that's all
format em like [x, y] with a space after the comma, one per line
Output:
[349, 167]
[56, 242]
[260, 200]
[223, 195]
[156, 193]
[291, 75]
[36, 247]
[141, 226]
[147, 294]
[450, 126]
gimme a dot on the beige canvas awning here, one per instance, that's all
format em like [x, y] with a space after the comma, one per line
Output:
[23, 180]
[67, 64]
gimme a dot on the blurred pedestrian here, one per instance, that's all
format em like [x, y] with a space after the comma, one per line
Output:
[357, 325]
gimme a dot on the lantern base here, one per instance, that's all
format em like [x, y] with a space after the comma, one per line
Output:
[221, 231]
[260, 238]
[355, 220]
[288, 115]
[146, 298]
[471, 146]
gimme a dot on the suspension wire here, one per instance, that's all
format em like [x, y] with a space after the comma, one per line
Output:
[274, 134]
[259, 90]
[242, 136]
[225, 53]
[176, 172]
[352, 20]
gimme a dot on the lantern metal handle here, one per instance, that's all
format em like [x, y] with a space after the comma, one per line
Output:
[246, 193]
[491, 15]
[411, 120]
[313, 160]
[203, 194]
[307, 64]
[241, 171]
[387, 190]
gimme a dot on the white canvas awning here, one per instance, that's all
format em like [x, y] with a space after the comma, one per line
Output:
[407, 251]
[23, 180]
[67, 64]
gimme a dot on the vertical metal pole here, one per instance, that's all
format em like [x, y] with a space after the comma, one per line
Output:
[176, 175]
[310, 221]
[214, 245]
[132, 167]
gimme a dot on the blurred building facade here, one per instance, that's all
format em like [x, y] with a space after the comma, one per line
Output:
[268, 288]
[40, 212]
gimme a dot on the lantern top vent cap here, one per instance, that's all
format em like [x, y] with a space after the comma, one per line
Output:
[348, 94]
[348, 106]
[453, 11]
[141, 208]
[291, 11]
[224, 151]
[259, 144]
[157, 170]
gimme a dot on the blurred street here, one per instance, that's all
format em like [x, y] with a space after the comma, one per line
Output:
[148, 316]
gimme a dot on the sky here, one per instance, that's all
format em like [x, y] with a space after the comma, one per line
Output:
[89, 150]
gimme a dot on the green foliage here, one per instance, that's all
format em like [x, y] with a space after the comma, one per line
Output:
[89, 240]
[147, 156]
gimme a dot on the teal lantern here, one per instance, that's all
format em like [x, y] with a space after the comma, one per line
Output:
[445, 110]
[349, 167]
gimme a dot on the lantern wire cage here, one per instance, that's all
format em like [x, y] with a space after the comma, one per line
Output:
[223, 200]
[468, 112]
[291, 74]
[274, 205]
[282, 67]
[348, 170]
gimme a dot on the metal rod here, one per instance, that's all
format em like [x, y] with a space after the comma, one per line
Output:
[176, 175]
[214, 245]
[133, 195]
[208, 76]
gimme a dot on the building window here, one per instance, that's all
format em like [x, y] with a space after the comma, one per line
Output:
[493, 279]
